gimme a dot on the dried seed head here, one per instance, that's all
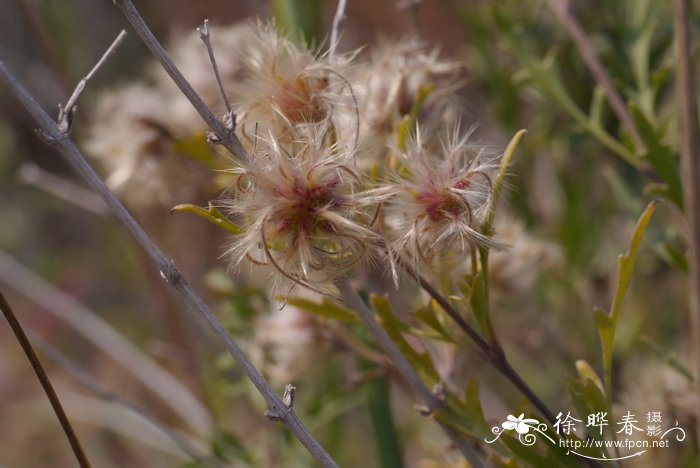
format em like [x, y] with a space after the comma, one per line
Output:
[399, 75]
[301, 210]
[285, 85]
[440, 200]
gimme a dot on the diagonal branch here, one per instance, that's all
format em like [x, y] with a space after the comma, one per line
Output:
[65, 113]
[563, 10]
[355, 302]
[167, 268]
[45, 382]
[224, 133]
[491, 352]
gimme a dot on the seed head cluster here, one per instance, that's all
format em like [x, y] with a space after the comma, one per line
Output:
[318, 195]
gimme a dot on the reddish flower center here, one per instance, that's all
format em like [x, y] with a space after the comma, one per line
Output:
[442, 205]
[305, 200]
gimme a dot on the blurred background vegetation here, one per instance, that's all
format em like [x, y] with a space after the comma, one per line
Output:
[571, 188]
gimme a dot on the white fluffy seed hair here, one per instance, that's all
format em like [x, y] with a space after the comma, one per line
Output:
[389, 83]
[302, 210]
[440, 198]
[285, 85]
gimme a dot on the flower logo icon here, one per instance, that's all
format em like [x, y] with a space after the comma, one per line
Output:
[520, 424]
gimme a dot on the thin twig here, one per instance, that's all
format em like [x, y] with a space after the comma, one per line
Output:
[564, 11]
[167, 268]
[492, 353]
[65, 113]
[223, 131]
[687, 101]
[45, 382]
[229, 119]
[355, 302]
[205, 36]
[338, 20]
[106, 338]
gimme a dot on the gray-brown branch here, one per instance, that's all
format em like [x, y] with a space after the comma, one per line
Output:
[45, 382]
[166, 267]
[353, 300]
[563, 10]
[224, 134]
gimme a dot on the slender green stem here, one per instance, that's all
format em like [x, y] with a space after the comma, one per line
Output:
[45, 382]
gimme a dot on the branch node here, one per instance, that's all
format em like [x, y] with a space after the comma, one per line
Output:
[273, 415]
[48, 138]
[440, 392]
[423, 410]
[170, 273]
[288, 397]
[65, 118]
[279, 414]
[66, 113]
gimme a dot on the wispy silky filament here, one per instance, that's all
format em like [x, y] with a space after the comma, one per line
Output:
[440, 199]
[303, 211]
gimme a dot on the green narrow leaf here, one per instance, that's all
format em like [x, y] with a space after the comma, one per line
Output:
[607, 323]
[473, 405]
[595, 115]
[428, 315]
[586, 372]
[506, 161]
[660, 156]
[626, 261]
[198, 149]
[480, 307]
[212, 215]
